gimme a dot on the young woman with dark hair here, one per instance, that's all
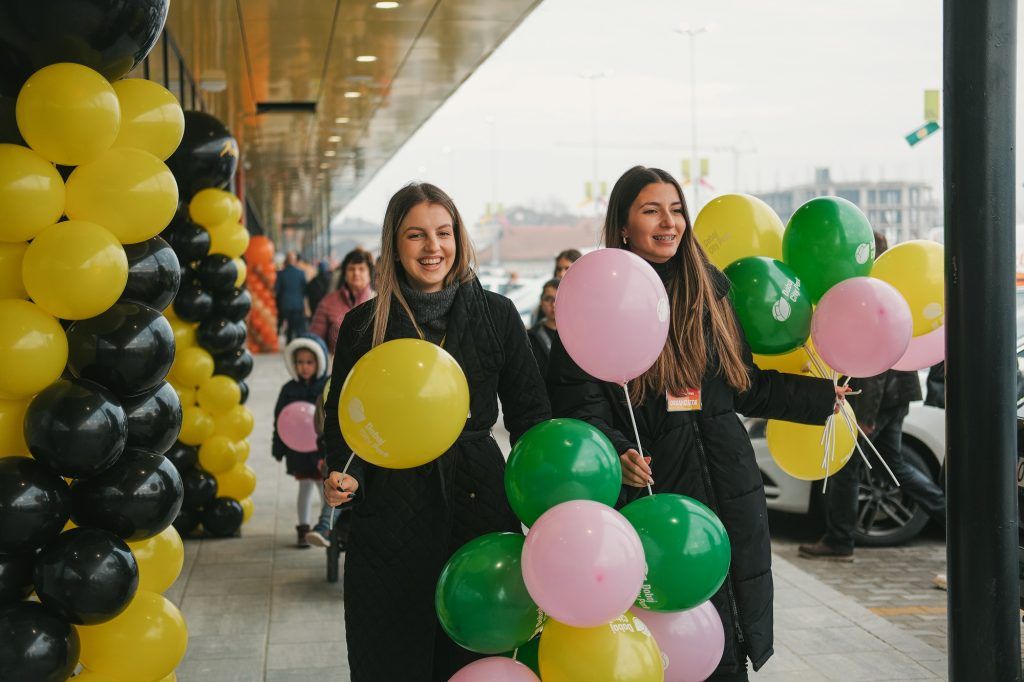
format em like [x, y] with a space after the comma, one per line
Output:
[543, 334]
[702, 451]
[407, 523]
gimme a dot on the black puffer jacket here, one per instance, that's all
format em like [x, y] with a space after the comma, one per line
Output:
[707, 455]
[407, 523]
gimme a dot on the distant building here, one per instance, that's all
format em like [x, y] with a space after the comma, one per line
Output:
[525, 236]
[900, 210]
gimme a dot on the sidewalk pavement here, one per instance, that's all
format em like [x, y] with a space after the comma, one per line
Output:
[257, 608]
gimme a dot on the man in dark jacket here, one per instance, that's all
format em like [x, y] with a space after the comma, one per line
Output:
[290, 291]
[880, 408]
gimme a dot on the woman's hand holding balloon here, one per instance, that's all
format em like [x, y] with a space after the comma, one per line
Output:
[636, 470]
[340, 488]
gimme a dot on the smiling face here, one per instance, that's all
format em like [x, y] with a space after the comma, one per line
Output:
[656, 223]
[426, 246]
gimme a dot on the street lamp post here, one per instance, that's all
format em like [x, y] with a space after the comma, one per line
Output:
[593, 77]
[692, 33]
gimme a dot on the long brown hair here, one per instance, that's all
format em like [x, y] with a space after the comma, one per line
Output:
[693, 298]
[388, 265]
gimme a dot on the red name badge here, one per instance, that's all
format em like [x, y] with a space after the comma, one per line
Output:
[688, 401]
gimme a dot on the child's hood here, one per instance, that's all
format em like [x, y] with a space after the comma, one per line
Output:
[313, 344]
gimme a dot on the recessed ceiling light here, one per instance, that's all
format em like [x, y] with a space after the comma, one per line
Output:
[334, 138]
[352, 94]
[330, 152]
[325, 166]
[386, 5]
[341, 119]
[366, 58]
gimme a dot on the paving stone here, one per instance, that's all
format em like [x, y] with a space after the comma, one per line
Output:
[872, 666]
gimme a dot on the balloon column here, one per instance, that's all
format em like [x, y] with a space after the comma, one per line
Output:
[87, 496]
[208, 319]
[261, 278]
[812, 298]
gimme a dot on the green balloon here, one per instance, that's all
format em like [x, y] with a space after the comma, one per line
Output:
[828, 240]
[770, 302]
[687, 551]
[481, 599]
[557, 461]
[528, 654]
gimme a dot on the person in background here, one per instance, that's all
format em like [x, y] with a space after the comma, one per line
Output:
[545, 331]
[696, 444]
[355, 287]
[306, 359]
[881, 407]
[564, 260]
[290, 292]
[407, 523]
[318, 287]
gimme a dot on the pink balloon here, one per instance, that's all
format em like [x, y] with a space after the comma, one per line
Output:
[924, 351]
[862, 327]
[495, 669]
[613, 315]
[295, 426]
[691, 641]
[583, 563]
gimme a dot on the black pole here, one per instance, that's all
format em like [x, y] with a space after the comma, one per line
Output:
[979, 50]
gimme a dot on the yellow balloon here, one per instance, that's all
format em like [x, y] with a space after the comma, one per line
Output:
[236, 423]
[795, 362]
[31, 193]
[90, 676]
[145, 642]
[75, 270]
[240, 280]
[238, 483]
[217, 454]
[212, 207]
[242, 447]
[620, 651]
[734, 226]
[160, 559]
[12, 427]
[170, 678]
[218, 394]
[917, 270]
[184, 332]
[230, 239]
[196, 425]
[151, 118]
[11, 257]
[70, 524]
[187, 395]
[192, 366]
[798, 450]
[68, 113]
[33, 349]
[128, 191]
[403, 404]
[247, 508]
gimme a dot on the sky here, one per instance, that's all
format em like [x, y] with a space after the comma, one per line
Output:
[783, 87]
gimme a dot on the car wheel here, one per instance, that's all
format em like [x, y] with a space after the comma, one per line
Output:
[885, 514]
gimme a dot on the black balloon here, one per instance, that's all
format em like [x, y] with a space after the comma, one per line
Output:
[184, 458]
[154, 273]
[193, 303]
[189, 241]
[236, 364]
[110, 36]
[187, 521]
[129, 348]
[200, 489]
[16, 577]
[244, 388]
[135, 499]
[154, 419]
[219, 335]
[86, 576]
[36, 644]
[34, 505]
[218, 273]
[9, 133]
[223, 517]
[233, 306]
[75, 428]
[206, 157]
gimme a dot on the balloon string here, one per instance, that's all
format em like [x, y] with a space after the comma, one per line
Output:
[636, 431]
[878, 454]
[856, 441]
[343, 472]
[515, 654]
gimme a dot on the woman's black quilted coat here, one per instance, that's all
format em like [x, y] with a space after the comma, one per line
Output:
[407, 523]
